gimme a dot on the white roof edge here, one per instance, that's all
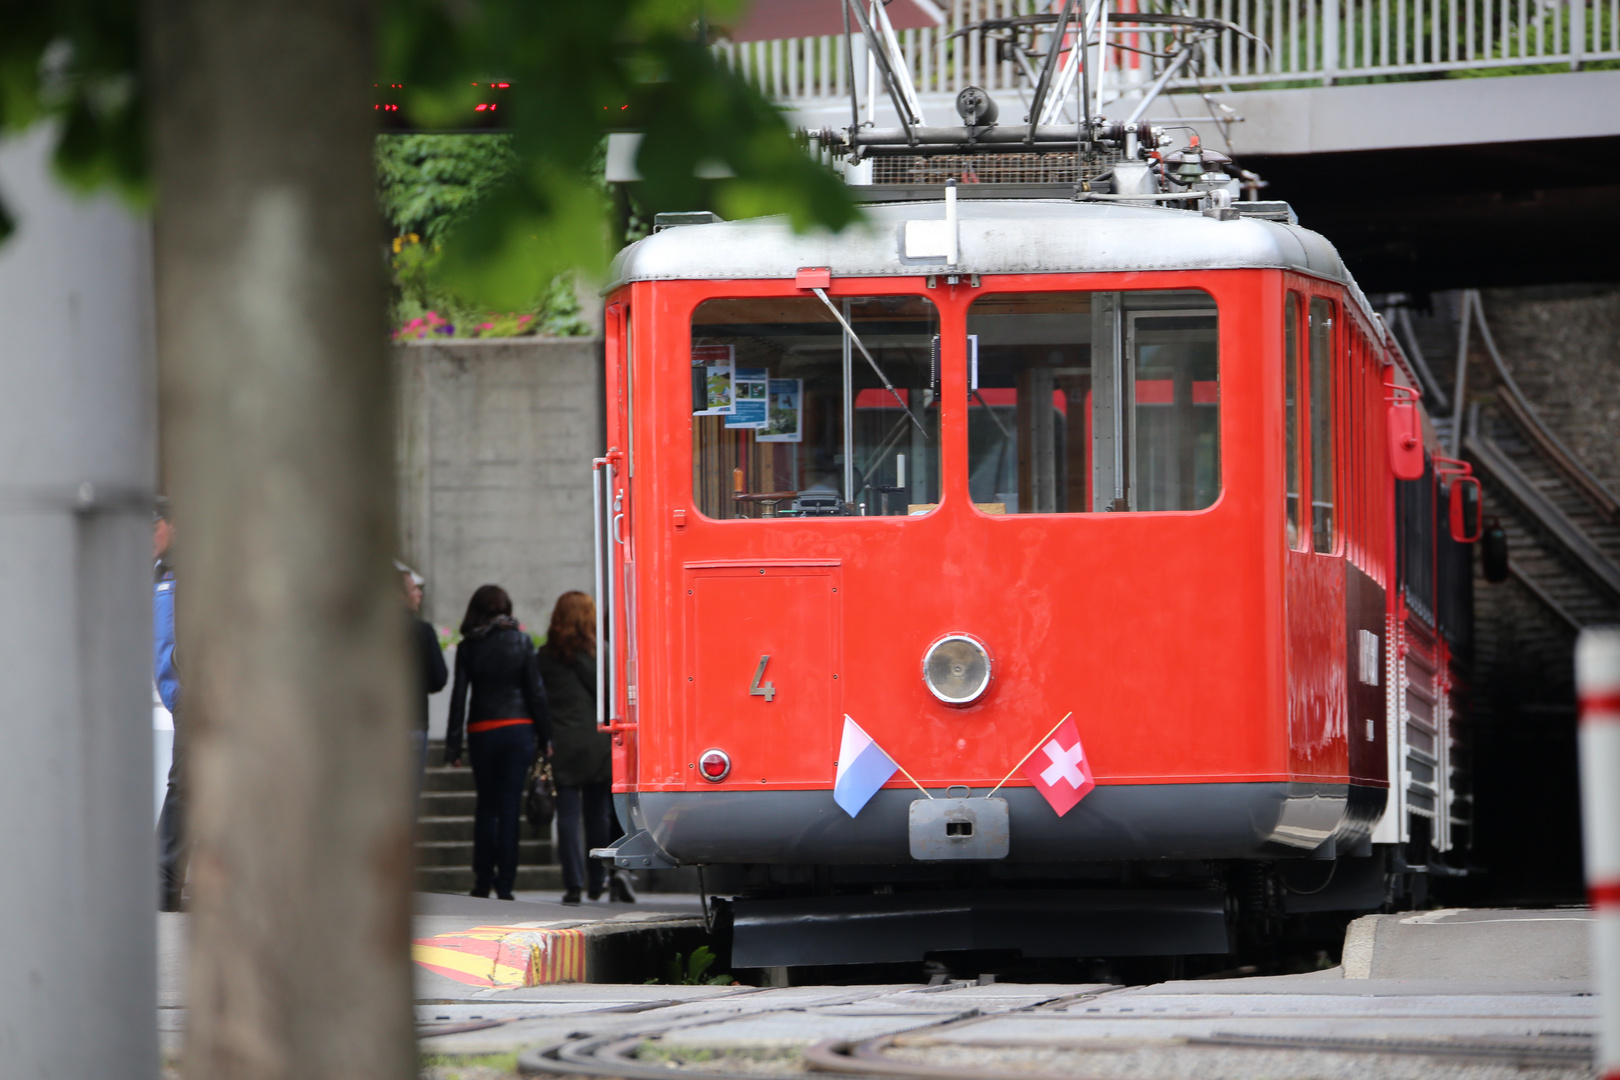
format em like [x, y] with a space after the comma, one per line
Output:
[996, 237]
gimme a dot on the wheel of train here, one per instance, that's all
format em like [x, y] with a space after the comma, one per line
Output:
[1034, 576]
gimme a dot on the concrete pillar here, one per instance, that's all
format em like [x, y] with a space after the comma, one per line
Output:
[78, 892]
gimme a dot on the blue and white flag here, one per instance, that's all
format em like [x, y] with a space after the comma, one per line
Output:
[863, 768]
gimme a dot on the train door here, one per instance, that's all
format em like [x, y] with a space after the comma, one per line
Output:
[615, 563]
[1314, 388]
[1431, 762]
[802, 408]
[1366, 629]
[1420, 697]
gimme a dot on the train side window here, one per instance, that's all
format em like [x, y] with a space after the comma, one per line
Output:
[1350, 510]
[1291, 418]
[790, 419]
[1081, 402]
[1324, 499]
[1356, 429]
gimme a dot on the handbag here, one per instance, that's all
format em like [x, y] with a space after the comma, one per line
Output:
[540, 797]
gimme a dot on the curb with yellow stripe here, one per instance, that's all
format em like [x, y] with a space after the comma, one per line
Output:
[505, 957]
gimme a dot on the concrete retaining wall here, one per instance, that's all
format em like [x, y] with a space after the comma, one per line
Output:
[1563, 346]
[495, 445]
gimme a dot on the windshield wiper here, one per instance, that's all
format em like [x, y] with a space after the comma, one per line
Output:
[889, 386]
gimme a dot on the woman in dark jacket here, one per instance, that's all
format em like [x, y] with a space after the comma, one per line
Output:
[582, 759]
[507, 723]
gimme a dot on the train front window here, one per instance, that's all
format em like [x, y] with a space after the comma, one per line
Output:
[792, 416]
[1084, 402]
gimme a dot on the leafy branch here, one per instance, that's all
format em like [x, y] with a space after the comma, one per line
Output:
[576, 70]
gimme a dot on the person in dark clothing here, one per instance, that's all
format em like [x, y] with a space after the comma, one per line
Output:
[429, 658]
[507, 722]
[166, 674]
[582, 759]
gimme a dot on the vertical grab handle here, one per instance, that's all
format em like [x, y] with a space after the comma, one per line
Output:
[601, 605]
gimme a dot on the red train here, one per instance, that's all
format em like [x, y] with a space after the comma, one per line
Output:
[979, 465]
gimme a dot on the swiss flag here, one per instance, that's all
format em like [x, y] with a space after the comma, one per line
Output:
[1059, 770]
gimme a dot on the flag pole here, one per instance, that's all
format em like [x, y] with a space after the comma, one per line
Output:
[1027, 756]
[913, 779]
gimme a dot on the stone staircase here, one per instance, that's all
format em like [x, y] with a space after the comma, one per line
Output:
[444, 836]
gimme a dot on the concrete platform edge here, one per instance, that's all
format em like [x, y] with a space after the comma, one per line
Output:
[1359, 939]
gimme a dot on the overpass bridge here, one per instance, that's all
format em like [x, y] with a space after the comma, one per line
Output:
[1438, 143]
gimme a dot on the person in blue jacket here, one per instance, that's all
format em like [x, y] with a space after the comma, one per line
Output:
[171, 824]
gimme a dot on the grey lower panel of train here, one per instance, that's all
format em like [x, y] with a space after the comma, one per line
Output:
[1114, 822]
[1041, 923]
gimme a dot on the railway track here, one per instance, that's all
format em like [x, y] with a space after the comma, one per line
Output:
[639, 1052]
[616, 1053]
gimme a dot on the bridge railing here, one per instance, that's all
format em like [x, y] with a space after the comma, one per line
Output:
[1288, 43]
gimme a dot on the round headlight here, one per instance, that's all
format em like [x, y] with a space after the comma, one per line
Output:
[957, 669]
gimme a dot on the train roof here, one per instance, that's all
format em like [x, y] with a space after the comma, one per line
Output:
[1012, 236]
[1023, 236]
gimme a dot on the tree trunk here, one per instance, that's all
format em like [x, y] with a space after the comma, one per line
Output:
[278, 447]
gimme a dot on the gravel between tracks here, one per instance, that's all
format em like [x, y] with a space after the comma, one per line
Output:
[1160, 1061]
[1157, 1061]
[755, 1062]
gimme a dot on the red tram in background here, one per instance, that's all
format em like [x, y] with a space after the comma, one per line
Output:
[983, 463]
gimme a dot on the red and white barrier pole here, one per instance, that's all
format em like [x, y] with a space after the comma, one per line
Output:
[1597, 684]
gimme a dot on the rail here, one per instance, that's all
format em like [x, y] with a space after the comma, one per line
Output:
[1524, 415]
[619, 1050]
[1278, 44]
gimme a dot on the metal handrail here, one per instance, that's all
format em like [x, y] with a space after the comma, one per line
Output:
[1543, 595]
[1307, 41]
[1508, 477]
[602, 602]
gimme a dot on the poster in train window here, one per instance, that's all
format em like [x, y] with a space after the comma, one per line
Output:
[786, 412]
[748, 396]
[713, 393]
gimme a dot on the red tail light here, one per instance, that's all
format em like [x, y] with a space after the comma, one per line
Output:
[714, 765]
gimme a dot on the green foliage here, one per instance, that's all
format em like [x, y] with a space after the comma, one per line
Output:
[467, 1066]
[1550, 32]
[76, 63]
[684, 971]
[576, 69]
[427, 183]
[426, 306]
